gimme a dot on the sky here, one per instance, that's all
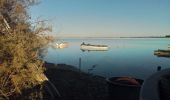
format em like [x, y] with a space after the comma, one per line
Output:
[105, 18]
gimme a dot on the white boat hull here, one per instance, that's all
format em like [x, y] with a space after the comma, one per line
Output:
[93, 48]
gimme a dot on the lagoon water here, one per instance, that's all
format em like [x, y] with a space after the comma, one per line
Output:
[125, 57]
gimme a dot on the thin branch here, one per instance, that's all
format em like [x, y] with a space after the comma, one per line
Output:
[4, 95]
[5, 82]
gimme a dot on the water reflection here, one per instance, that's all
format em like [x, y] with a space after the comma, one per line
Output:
[92, 68]
[88, 50]
[60, 45]
[125, 57]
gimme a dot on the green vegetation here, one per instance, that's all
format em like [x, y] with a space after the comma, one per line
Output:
[167, 36]
[21, 46]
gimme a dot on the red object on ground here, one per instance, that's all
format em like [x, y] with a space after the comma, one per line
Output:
[128, 80]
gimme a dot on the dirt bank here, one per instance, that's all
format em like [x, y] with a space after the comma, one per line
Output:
[73, 85]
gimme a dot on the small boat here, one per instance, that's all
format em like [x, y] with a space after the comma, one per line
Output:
[169, 46]
[90, 47]
[61, 45]
[162, 53]
[159, 50]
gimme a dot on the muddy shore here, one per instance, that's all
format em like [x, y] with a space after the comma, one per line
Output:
[75, 85]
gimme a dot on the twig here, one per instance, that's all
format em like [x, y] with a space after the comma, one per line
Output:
[6, 97]
[6, 80]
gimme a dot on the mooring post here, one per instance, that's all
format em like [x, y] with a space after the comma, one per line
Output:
[79, 64]
[158, 68]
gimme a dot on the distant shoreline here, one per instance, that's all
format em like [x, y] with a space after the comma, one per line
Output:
[111, 37]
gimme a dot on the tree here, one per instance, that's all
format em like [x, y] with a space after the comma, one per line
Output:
[21, 46]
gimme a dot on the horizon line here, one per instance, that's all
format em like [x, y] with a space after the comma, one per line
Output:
[167, 36]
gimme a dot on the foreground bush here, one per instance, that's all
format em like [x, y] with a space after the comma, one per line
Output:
[21, 46]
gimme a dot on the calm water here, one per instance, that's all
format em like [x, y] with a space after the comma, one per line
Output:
[126, 57]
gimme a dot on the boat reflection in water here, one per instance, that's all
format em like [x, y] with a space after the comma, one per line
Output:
[90, 47]
[60, 45]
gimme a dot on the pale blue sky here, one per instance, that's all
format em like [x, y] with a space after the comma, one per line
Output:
[111, 18]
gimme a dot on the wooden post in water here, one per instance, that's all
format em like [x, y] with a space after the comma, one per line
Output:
[158, 68]
[79, 64]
